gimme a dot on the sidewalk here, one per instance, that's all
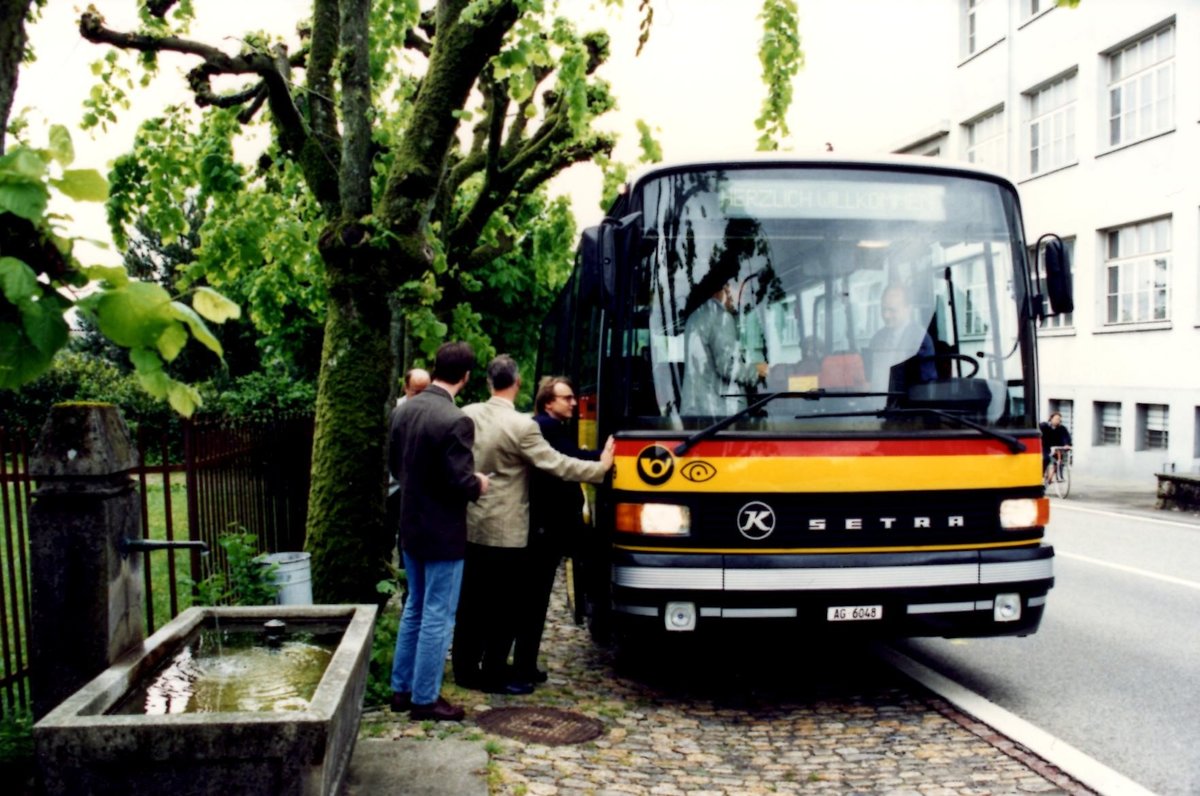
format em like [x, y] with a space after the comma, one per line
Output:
[801, 718]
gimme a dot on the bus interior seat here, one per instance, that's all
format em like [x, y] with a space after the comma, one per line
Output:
[844, 371]
[793, 377]
[969, 395]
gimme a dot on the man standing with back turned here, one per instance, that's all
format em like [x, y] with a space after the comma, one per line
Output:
[430, 456]
[507, 445]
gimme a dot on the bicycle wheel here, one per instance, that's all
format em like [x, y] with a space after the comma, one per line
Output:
[1062, 480]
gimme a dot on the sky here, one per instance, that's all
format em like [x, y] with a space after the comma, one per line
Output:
[872, 68]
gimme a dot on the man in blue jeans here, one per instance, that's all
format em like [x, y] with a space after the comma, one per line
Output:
[430, 457]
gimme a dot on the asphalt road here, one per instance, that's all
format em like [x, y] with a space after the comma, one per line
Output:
[1115, 668]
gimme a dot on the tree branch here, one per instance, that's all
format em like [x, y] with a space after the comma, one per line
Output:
[159, 8]
[460, 52]
[356, 108]
[326, 33]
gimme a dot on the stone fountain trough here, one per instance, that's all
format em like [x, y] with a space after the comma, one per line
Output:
[84, 746]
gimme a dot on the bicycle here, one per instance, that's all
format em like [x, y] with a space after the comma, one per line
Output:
[1057, 478]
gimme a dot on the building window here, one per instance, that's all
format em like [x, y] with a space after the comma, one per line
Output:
[986, 140]
[1066, 409]
[1062, 320]
[1108, 423]
[1153, 420]
[1196, 435]
[1137, 269]
[1031, 8]
[1141, 88]
[1050, 129]
[984, 23]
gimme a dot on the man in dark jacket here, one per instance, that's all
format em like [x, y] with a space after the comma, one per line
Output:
[555, 522]
[1054, 435]
[430, 457]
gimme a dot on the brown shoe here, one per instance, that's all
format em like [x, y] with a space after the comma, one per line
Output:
[441, 710]
[401, 701]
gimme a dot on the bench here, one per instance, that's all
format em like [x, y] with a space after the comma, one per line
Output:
[1178, 492]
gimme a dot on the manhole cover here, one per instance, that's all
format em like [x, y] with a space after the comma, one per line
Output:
[548, 726]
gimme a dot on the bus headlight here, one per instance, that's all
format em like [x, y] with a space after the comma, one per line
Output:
[1007, 608]
[654, 519]
[1024, 512]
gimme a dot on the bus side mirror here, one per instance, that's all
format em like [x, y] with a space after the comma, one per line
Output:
[618, 240]
[1058, 276]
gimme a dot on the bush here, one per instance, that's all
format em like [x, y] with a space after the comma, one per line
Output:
[82, 377]
[259, 397]
[250, 581]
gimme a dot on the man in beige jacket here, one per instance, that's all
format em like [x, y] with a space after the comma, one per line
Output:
[507, 444]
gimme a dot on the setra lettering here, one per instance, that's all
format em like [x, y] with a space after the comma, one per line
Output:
[886, 523]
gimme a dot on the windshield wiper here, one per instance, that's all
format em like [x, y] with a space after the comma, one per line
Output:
[1014, 445]
[807, 395]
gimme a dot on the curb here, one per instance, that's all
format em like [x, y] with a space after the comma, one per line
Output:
[1056, 752]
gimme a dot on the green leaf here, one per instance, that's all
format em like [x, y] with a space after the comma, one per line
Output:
[149, 372]
[115, 275]
[83, 185]
[45, 326]
[134, 315]
[23, 163]
[27, 200]
[172, 341]
[199, 328]
[20, 361]
[183, 397]
[213, 306]
[18, 282]
[61, 148]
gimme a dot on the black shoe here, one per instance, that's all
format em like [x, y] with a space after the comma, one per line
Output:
[508, 687]
[401, 701]
[536, 676]
[469, 680]
[441, 710]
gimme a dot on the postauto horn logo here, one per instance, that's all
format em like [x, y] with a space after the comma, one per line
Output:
[655, 464]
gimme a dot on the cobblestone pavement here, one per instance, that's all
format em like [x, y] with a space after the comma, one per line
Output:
[739, 716]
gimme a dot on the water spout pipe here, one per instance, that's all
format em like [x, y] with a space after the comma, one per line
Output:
[139, 545]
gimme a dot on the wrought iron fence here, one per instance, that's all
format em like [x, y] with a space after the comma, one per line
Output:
[238, 477]
[15, 495]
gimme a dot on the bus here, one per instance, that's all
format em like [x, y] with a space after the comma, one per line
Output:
[821, 376]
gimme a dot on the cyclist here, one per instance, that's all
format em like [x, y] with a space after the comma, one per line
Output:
[1054, 435]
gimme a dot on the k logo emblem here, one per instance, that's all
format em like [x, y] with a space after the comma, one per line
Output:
[655, 465]
[756, 520]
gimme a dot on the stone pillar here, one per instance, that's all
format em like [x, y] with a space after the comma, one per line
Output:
[87, 597]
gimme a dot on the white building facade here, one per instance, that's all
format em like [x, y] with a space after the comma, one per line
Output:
[1095, 113]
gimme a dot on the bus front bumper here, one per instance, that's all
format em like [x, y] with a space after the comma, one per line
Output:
[956, 594]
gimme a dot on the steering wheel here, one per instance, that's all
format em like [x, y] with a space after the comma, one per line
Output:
[970, 360]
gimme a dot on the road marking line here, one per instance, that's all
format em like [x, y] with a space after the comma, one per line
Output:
[1191, 584]
[1053, 750]
[1123, 515]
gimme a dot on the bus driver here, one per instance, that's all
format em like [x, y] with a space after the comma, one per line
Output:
[901, 353]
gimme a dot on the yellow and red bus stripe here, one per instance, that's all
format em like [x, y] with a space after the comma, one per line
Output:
[824, 466]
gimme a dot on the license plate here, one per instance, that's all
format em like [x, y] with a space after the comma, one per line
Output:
[854, 613]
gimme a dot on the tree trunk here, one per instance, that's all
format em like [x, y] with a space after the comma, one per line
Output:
[346, 531]
[12, 50]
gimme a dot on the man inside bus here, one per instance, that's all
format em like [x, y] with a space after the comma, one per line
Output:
[901, 353]
[713, 366]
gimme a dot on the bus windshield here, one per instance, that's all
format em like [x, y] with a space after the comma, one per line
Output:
[889, 298]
